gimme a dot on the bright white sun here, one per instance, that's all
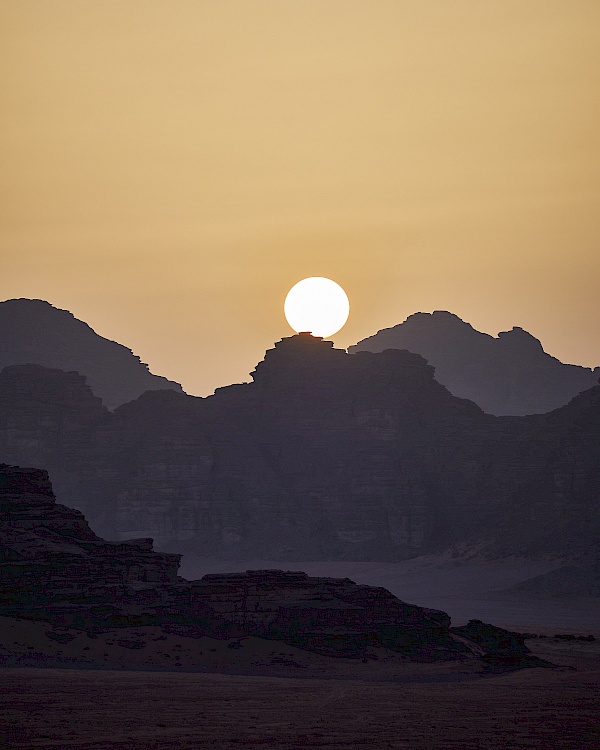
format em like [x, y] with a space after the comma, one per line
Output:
[316, 305]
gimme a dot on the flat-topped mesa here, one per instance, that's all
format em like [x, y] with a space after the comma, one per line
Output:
[332, 616]
[247, 578]
[297, 356]
[307, 359]
[17, 482]
[296, 589]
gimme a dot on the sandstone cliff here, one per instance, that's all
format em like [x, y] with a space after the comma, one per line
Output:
[324, 456]
[52, 563]
[34, 332]
[507, 375]
[54, 569]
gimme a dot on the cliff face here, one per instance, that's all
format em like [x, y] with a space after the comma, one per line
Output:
[54, 569]
[52, 564]
[324, 456]
[34, 332]
[507, 375]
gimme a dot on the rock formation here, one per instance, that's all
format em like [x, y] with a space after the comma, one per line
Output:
[51, 561]
[499, 647]
[507, 375]
[34, 332]
[325, 456]
[54, 569]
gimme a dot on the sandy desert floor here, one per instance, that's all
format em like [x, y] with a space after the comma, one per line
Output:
[390, 704]
[549, 709]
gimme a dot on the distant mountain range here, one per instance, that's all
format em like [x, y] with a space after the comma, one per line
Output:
[507, 375]
[325, 456]
[34, 332]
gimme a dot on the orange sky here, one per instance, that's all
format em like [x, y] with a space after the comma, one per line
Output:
[171, 169]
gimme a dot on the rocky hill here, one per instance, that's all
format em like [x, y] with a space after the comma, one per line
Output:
[54, 570]
[34, 332]
[325, 456]
[509, 374]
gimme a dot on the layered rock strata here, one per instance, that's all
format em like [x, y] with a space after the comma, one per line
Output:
[324, 456]
[332, 616]
[53, 568]
[51, 562]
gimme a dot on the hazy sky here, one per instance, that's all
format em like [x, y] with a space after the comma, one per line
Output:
[170, 168]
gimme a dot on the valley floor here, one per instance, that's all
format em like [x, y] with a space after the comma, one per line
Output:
[549, 709]
[159, 701]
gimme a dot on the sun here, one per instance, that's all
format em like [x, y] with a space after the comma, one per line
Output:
[316, 305]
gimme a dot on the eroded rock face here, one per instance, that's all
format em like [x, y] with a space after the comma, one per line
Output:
[34, 332]
[324, 456]
[328, 615]
[51, 562]
[55, 569]
[507, 375]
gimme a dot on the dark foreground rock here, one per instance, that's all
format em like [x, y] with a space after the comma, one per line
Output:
[499, 648]
[55, 571]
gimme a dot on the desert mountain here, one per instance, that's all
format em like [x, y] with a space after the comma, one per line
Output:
[34, 332]
[507, 375]
[325, 456]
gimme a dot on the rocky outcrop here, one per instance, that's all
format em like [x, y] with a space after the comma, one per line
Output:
[497, 646]
[324, 456]
[34, 332]
[332, 616]
[507, 375]
[53, 568]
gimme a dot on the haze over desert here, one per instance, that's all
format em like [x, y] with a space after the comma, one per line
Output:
[300, 375]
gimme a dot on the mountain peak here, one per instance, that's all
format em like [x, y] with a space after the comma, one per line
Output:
[519, 337]
[507, 375]
[32, 331]
[438, 317]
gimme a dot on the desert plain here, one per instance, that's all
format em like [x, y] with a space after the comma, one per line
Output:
[407, 705]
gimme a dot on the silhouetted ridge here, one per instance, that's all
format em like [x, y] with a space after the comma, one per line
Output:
[507, 375]
[303, 360]
[324, 456]
[33, 331]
